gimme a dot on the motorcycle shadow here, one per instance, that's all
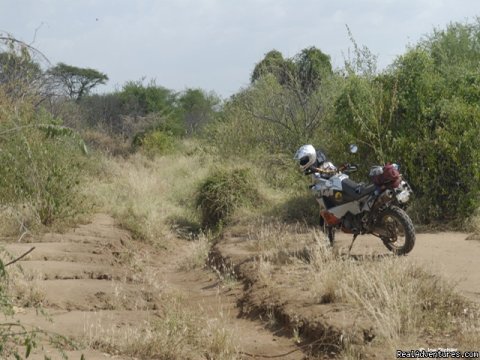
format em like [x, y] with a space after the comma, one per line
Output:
[307, 255]
[364, 257]
[344, 254]
[372, 257]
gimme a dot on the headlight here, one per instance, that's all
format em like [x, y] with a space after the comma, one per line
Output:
[403, 192]
[403, 196]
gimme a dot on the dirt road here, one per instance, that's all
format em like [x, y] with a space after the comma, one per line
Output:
[449, 254]
[86, 281]
[95, 281]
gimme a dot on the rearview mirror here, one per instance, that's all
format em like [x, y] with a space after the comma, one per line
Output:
[353, 148]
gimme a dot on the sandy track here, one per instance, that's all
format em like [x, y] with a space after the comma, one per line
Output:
[449, 254]
[88, 289]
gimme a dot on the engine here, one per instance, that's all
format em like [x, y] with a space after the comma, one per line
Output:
[352, 224]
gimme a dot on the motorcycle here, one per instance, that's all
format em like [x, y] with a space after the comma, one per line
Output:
[355, 208]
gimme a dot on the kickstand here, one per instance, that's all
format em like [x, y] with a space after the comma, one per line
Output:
[353, 240]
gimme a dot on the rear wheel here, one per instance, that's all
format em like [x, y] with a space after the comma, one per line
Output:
[396, 230]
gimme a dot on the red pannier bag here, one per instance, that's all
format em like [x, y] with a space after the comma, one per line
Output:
[390, 177]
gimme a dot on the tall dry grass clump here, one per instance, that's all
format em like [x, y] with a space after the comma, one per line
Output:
[224, 191]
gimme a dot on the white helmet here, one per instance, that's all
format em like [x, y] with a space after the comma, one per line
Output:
[306, 156]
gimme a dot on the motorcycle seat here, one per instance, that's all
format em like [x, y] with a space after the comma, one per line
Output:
[356, 190]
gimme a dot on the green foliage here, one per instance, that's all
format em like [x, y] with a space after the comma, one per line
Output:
[158, 143]
[273, 117]
[15, 68]
[286, 105]
[306, 70]
[223, 192]
[274, 64]
[40, 171]
[53, 130]
[422, 113]
[438, 112]
[21, 74]
[76, 82]
[41, 165]
[362, 116]
[138, 109]
[197, 108]
[139, 100]
[312, 66]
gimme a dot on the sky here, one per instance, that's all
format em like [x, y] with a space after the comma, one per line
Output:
[215, 44]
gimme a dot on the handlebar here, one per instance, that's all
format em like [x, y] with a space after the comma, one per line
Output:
[348, 168]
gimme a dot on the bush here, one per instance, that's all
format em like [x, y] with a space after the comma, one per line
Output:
[158, 143]
[222, 193]
[41, 168]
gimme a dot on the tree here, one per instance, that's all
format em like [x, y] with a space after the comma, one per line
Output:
[273, 63]
[312, 66]
[197, 107]
[15, 69]
[422, 112]
[76, 82]
[289, 98]
[307, 69]
[20, 69]
[139, 99]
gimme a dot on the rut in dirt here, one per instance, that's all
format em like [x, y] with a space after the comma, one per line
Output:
[96, 279]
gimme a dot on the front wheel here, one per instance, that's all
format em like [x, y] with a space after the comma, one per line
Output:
[397, 231]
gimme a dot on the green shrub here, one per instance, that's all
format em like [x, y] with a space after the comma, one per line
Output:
[223, 192]
[158, 143]
[41, 167]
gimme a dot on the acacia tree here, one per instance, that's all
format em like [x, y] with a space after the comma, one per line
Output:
[76, 82]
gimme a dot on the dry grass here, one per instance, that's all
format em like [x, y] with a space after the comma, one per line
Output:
[16, 221]
[106, 143]
[405, 301]
[147, 195]
[266, 236]
[24, 288]
[177, 332]
[197, 254]
[176, 329]
[473, 225]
